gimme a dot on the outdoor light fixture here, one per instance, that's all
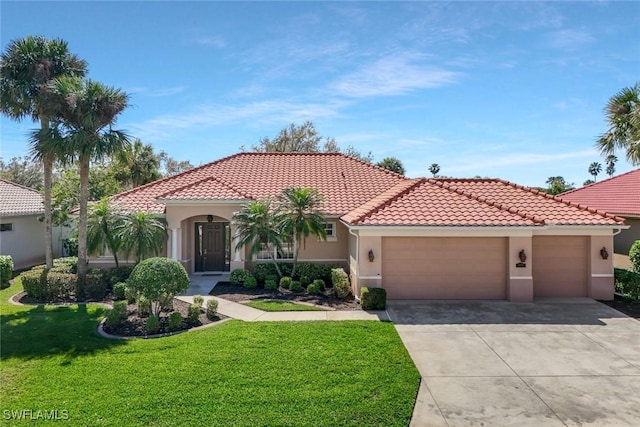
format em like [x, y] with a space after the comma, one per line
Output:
[209, 218]
[522, 255]
[603, 253]
[371, 256]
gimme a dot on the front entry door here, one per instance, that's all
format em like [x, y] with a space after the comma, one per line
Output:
[210, 252]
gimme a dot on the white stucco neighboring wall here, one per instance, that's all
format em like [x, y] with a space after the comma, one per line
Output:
[25, 242]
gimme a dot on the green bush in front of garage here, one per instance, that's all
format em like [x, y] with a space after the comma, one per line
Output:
[627, 283]
[373, 298]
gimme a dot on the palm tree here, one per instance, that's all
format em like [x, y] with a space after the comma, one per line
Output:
[137, 165]
[87, 111]
[594, 169]
[27, 66]
[611, 164]
[141, 233]
[623, 116]
[299, 215]
[393, 164]
[102, 222]
[256, 228]
[434, 169]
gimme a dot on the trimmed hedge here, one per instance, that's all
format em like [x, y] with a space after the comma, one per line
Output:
[310, 270]
[285, 282]
[270, 284]
[340, 281]
[313, 289]
[212, 309]
[295, 286]
[94, 285]
[6, 270]
[373, 298]
[627, 283]
[48, 285]
[250, 282]
[634, 256]
[157, 278]
[237, 277]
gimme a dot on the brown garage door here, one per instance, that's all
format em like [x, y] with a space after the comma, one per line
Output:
[560, 266]
[444, 268]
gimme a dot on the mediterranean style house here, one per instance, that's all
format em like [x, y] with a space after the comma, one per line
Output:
[619, 195]
[417, 238]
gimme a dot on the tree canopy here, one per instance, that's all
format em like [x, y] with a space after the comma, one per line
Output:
[622, 113]
[393, 164]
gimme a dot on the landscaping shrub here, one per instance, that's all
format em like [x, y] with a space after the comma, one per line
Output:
[166, 302]
[373, 298]
[305, 281]
[59, 285]
[120, 291]
[130, 294]
[212, 309]
[6, 270]
[627, 283]
[295, 286]
[285, 282]
[94, 285]
[194, 313]
[157, 277]
[320, 283]
[262, 270]
[119, 274]
[66, 264]
[32, 283]
[144, 306]
[70, 247]
[314, 271]
[313, 288]
[634, 256]
[153, 325]
[198, 300]
[237, 277]
[175, 321]
[250, 282]
[340, 282]
[116, 315]
[270, 284]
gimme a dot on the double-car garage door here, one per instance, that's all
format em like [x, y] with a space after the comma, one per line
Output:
[477, 267]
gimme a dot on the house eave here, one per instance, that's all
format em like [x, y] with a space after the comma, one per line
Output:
[183, 202]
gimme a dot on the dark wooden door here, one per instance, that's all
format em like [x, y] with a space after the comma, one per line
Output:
[210, 246]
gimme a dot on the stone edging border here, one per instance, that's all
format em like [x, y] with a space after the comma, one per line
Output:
[101, 330]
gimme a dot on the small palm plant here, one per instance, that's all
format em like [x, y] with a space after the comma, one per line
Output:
[102, 221]
[142, 234]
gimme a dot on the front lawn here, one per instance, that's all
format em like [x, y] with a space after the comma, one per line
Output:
[236, 373]
[281, 306]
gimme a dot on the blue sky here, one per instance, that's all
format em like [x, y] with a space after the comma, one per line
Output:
[502, 89]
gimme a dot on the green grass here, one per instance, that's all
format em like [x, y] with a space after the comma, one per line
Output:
[274, 373]
[281, 306]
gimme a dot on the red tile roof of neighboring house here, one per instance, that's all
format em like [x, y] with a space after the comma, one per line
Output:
[16, 200]
[363, 194]
[471, 202]
[618, 195]
[345, 182]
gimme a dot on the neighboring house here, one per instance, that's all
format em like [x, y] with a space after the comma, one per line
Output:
[619, 195]
[21, 231]
[417, 238]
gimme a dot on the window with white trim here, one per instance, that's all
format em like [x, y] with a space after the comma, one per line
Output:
[270, 251]
[330, 231]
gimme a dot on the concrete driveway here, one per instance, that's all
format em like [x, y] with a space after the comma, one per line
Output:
[560, 362]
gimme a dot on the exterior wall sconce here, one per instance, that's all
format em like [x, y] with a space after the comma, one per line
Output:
[371, 256]
[522, 255]
[209, 218]
[603, 253]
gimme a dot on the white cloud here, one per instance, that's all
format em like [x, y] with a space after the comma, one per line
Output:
[156, 92]
[213, 41]
[392, 75]
[569, 39]
[476, 162]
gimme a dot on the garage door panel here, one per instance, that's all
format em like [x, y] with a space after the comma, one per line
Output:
[444, 268]
[560, 266]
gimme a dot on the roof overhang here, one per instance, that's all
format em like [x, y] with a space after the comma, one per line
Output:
[175, 202]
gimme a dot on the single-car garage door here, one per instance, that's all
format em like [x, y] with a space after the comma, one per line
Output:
[560, 266]
[444, 268]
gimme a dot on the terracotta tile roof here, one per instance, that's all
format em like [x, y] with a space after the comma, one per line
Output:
[345, 182]
[471, 202]
[618, 195]
[16, 200]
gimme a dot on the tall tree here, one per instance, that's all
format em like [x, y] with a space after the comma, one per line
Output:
[611, 164]
[393, 164]
[142, 234]
[137, 165]
[557, 185]
[23, 171]
[102, 223]
[300, 216]
[27, 66]
[256, 225]
[170, 166]
[87, 112]
[434, 169]
[623, 117]
[594, 169]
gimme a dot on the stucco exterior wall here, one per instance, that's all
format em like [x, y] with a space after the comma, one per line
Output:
[25, 243]
[625, 239]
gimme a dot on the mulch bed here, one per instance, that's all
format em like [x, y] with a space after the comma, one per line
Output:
[629, 307]
[327, 299]
[134, 326]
